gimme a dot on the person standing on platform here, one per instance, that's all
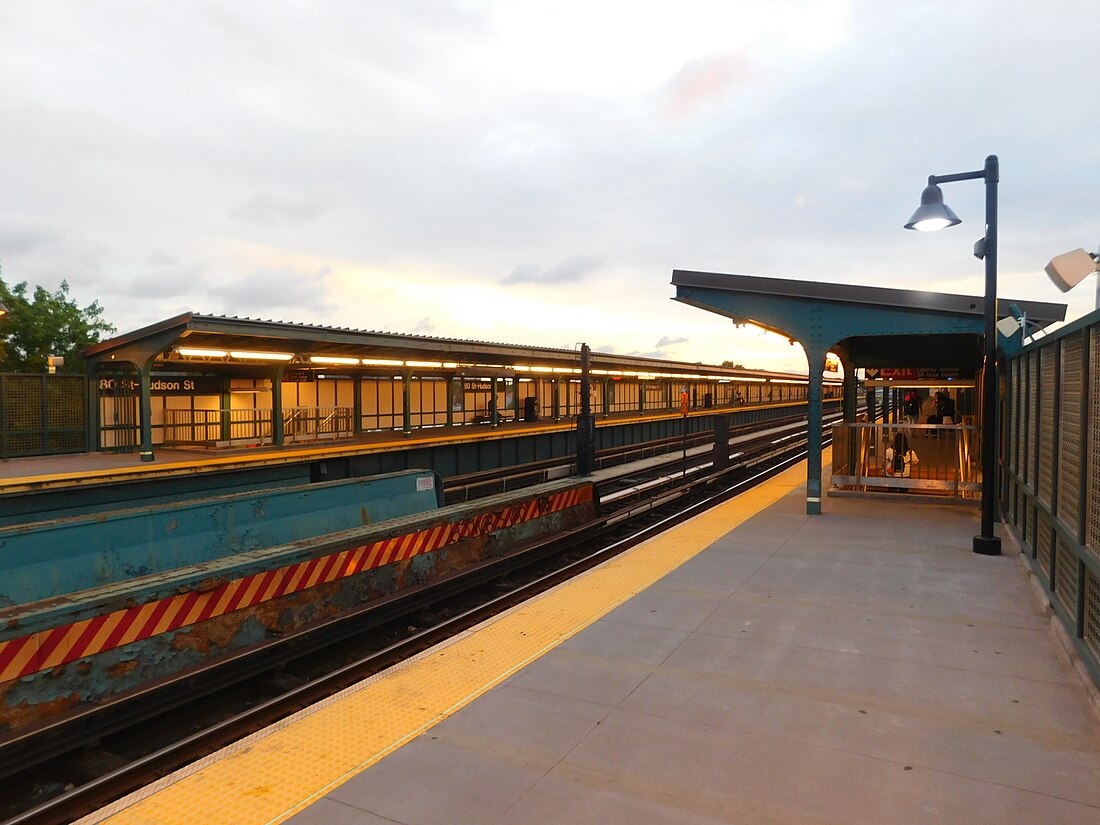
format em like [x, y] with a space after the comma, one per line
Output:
[946, 409]
[912, 406]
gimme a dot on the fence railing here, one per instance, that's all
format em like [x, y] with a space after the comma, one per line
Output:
[1050, 495]
[948, 458]
[42, 414]
[254, 426]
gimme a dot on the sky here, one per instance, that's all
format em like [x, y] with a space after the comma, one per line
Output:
[530, 171]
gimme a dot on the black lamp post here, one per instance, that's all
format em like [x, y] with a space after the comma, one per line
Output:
[930, 216]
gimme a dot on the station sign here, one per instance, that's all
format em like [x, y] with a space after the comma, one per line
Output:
[918, 373]
[299, 377]
[173, 385]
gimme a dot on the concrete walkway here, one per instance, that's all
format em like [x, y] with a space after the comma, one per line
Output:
[862, 666]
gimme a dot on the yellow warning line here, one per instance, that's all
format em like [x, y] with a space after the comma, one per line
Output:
[272, 775]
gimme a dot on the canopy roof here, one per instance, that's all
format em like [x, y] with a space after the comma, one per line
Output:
[172, 343]
[873, 326]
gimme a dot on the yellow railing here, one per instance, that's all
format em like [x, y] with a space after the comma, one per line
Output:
[947, 458]
[254, 426]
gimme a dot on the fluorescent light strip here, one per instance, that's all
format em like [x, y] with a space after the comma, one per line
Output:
[202, 353]
[332, 359]
[262, 356]
[382, 362]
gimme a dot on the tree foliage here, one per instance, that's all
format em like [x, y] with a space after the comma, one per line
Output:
[43, 324]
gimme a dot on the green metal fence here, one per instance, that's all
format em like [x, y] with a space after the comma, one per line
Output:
[1050, 462]
[42, 414]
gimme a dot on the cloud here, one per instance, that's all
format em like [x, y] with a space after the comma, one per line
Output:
[653, 353]
[575, 268]
[21, 238]
[668, 342]
[174, 277]
[436, 143]
[264, 209]
[424, 326]
[298, 292]
[703, 81]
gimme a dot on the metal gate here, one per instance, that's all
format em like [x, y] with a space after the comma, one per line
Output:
[119, 410]
[42, 414]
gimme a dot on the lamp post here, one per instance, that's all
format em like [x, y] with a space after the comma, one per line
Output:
[930, 216]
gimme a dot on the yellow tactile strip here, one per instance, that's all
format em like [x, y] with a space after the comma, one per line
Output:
[277, 772]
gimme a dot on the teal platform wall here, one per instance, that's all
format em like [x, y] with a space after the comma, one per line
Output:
[51, 558]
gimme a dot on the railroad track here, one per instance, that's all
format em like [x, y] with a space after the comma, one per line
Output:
[68, 770]
[744, 440]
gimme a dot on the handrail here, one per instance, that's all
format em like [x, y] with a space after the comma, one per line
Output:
[944, 454]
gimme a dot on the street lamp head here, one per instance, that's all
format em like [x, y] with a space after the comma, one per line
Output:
[932, 214]
[3, 310]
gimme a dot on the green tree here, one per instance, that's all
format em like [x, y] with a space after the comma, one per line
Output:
[43, 324]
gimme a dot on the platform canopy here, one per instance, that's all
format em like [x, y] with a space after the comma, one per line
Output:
[238, 346]
[866, 326]
[872, 326]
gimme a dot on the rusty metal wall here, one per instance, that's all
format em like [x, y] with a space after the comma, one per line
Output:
[59, 653]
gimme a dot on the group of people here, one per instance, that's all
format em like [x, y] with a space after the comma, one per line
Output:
[900, 456]
[944, 408]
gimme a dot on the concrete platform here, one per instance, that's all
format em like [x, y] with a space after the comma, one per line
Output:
[862, 666]
[15, 472]
[754, 665]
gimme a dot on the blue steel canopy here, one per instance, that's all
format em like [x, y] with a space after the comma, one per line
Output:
[858, 319]
[867, 326]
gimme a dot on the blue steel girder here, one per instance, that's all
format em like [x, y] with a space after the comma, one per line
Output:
[818, 324]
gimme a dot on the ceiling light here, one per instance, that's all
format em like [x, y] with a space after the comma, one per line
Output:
[262, 356]
[194, 352]
[382, 362]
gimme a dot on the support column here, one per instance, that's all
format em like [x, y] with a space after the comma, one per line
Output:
[406, 404]
[277, 428]
[357, 405]
[850, 389]
[720, 458]
[815, 359]
[494, 411]
[225, 428]
[586, 423]
[145, 450]
[557, 399]
[453, 386]
[91, 435]
[849, 405]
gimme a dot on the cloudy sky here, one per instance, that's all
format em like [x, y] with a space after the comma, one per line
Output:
[532, 171]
